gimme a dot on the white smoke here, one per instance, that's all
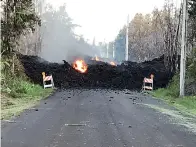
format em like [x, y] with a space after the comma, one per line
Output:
[59, 41]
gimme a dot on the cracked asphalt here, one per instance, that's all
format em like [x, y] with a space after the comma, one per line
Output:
[95, 118]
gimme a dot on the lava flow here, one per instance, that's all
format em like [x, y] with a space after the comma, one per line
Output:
[112, 63]
[80, 66]
[96, 58]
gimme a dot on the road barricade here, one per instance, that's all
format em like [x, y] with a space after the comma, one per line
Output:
[148, 83]
[47, 79]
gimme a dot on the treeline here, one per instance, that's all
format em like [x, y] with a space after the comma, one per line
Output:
[39, 29]
[152, 35]
[17, 18]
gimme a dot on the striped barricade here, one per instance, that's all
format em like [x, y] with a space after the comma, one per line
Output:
[47, 78]
[149, 82]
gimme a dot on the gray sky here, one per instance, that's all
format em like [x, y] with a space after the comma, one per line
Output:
[104, 18]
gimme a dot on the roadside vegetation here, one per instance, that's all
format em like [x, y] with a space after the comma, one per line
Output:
[17, 91]
[171, 93]
[186, 104]
[159, 33]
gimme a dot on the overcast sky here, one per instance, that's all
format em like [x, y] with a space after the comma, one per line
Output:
[104, 18]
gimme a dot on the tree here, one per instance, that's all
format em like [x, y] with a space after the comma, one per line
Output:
[192, 37]
[18, 16]
[110, 49]
[191, 23]
[155, 34]
[192, 8]
[119, 45]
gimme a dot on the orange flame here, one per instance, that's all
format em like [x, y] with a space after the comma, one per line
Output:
[96, 58]
[80, 66]
[112, 63]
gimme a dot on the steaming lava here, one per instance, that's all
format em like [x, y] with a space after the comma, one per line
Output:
[80, 65]
[98, 75]
[96, 58]
[113, 63]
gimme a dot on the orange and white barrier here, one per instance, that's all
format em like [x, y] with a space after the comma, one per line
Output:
[47, 78]
[149, 82]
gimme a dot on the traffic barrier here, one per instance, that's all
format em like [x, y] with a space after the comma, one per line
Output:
[149, 82]
[47, 78]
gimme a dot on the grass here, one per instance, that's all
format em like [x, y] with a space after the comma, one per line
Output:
[20, 94]
[186, 104]
[176, 117]
[170, 94]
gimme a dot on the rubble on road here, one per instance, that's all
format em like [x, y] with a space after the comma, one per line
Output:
[99, 74]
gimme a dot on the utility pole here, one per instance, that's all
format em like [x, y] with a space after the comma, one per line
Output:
[113, 55]
[127, 41]
[183, 49]
[94, 42]
[107, 46]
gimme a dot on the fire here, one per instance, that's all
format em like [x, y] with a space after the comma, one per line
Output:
[112, 63]
[96, 58]
[80, 66]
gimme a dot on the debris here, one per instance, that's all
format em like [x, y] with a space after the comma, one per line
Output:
[36, 109]
[109, 100]
[130, 126]
[99, 74]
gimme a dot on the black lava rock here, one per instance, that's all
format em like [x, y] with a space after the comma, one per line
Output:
[98, 75]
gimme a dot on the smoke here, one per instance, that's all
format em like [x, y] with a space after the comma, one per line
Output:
[59, 41]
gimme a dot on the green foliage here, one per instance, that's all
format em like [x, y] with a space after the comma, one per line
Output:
[191, 63]
[17, 85]
[186, 104]
[119, 45]
[18, 15]
[23, 88]
[171, 93]
[192, 8]
[172, 89]
[18, 94]
[192, 16]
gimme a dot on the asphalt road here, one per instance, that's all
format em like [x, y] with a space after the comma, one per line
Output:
[95, 118]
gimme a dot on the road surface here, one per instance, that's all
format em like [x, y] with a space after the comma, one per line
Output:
[96, 118]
